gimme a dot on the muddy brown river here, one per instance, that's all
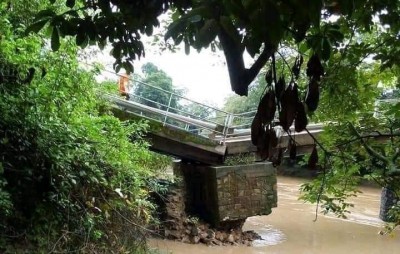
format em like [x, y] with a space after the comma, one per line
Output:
[290, 229]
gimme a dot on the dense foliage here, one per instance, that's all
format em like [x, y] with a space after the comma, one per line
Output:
[341, 33]
[158, 90]
[235, 26]
[360, 139]
[72, 177]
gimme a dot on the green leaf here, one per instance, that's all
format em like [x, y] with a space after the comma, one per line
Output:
[195, 18]
[55, 39]
[175, 29]
[207, 33]
[325, 49]
[303, 48]
[45, 14]
[128, 67]
[37, 26]
[236, 8]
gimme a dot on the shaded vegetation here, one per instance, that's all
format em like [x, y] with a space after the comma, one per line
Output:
[72, 177]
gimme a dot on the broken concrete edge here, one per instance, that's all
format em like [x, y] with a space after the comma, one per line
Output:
[170, 132]
[246, 190]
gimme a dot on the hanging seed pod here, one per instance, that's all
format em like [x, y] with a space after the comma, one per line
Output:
[278, 160]
[268, 77]
[292, 150]
[271, 106]
[315, 68]
[267, 107]
[312, 96]
[301, 121]
[280, 88]
[290, 99]
[273, 139]
[256, 129]
[296, 66]
[263, 145]
[313, 159]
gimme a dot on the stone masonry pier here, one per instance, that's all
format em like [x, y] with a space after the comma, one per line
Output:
[224, 194]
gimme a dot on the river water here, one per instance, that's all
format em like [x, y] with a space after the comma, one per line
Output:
[291, 229]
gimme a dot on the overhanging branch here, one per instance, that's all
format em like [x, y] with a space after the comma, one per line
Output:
[369, 149]
[240, 76]
[377, 135]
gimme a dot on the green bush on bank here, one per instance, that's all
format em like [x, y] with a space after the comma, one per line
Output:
[72, 179]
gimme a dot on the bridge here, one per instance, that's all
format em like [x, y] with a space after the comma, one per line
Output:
[194, 131]
[203, 137]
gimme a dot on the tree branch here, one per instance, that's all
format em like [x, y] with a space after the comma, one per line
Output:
[377, 135]
[369, 149]
[396, 155]
[318, 143]
[240, 76]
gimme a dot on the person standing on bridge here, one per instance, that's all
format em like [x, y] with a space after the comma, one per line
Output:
[124, 85]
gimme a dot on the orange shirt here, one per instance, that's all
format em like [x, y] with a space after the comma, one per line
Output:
[123, 84]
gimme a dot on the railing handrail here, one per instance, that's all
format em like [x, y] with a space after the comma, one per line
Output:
[180, 96]
[231, 121]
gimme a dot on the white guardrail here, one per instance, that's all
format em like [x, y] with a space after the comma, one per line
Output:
[172, 109]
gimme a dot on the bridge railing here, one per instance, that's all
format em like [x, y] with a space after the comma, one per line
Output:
[173, 109]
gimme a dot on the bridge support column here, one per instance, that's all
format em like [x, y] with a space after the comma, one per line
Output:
[388, 199]
[224, 195]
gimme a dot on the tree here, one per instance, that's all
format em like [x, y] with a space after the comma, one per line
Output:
[341, 33]
[199, 111]
[320, 28]
[235, 26]
[156, 89]
[72, 177]
[237, 104]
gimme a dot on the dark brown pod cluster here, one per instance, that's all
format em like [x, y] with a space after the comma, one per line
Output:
[297, 65]
[314, 68]
[314, 71]
[268, 77]
[277, 160]
[256, 130]
[289, 103]
[279, 90]
[267, 107]
[291, 108]
[312, 96]
[301, 121]
[263, 135]
[313, 159]
[292, 150]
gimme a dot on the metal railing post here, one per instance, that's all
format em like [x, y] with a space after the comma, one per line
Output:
[166, 112]
[227, 125]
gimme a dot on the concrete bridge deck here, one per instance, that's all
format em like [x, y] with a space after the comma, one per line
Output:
[205, 141]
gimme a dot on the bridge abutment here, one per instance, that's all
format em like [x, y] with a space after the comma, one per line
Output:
[225, 195]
